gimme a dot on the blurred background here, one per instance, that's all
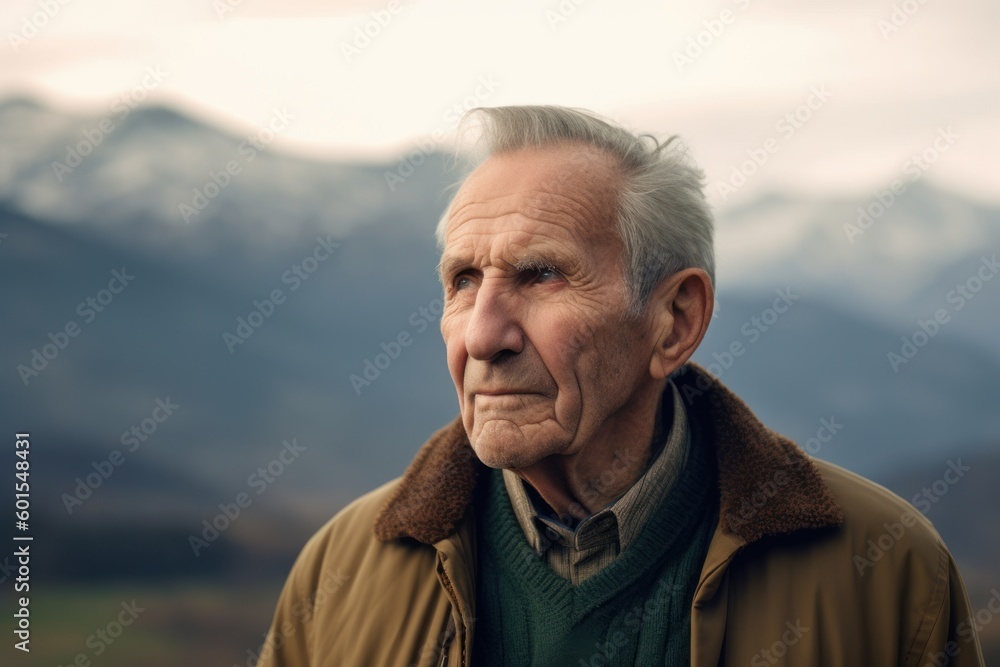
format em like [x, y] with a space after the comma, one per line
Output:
[214, 214]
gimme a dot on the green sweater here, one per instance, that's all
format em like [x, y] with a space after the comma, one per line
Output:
[636, 611]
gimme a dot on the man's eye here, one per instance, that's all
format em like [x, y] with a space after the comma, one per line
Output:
[461, 282]
[547, 273]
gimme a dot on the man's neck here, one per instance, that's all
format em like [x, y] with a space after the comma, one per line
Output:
[580, 484]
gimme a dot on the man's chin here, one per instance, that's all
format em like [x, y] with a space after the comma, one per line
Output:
[508, 460]
[501, 444]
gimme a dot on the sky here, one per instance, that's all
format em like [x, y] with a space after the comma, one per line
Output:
[833, 98]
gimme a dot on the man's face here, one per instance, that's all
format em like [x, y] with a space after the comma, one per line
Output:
[534, 293]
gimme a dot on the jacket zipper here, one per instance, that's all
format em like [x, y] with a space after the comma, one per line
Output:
[449, 634]
[451, 630]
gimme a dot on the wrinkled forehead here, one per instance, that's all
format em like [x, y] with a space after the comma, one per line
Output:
[569, 185]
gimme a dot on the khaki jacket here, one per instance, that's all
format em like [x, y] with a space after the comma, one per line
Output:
[810, 564]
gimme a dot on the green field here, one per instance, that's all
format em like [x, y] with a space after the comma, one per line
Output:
[194, 625]
[180, 625]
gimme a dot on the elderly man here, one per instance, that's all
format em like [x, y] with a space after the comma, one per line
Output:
[600, 500]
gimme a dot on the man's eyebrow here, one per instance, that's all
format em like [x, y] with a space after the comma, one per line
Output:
[449, 264]
[539, 260]
[526, 261]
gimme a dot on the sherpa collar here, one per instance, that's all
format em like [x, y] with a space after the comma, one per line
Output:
[754, 463]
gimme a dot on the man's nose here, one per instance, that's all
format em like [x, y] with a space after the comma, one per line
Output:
[493, 326]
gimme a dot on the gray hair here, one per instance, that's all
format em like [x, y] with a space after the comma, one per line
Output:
[662, 217]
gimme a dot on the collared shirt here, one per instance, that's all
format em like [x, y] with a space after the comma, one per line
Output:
[580, 549]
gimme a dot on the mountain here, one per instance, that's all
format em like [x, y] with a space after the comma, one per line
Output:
[974, 540]
[156, 177]
[819, 362]
[895, 268]
[353, 257]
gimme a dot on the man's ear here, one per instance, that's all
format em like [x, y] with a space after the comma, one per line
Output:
[681, 309]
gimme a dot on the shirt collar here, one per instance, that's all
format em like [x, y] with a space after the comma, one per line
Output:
[622, 519]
